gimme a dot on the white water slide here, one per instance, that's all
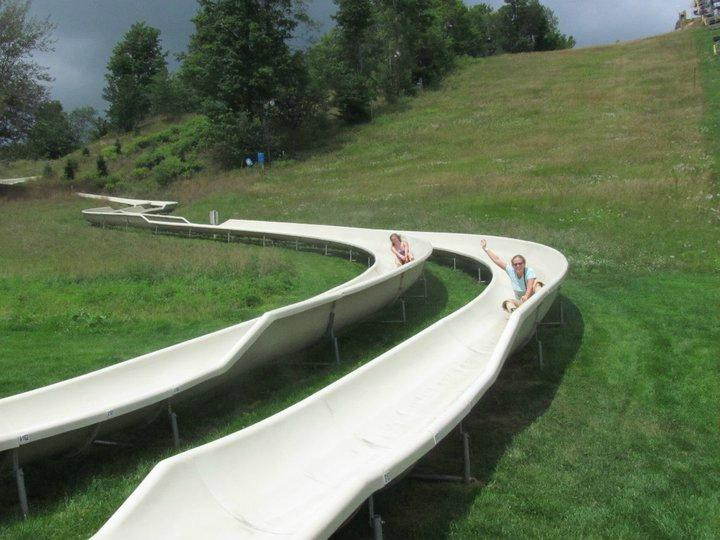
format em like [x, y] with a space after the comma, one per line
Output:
[302, 472]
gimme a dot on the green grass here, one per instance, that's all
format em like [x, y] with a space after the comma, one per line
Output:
[74, 298]
[609, 154]
[74, 497]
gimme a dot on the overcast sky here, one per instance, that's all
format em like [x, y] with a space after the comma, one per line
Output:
[87, 30]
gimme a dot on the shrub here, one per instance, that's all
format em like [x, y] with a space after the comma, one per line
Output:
[71, 167]
[139, 173]
[108, 152]
[48, 171]
[101, 166]
[85, 151]
[167, 170]
[118, 147]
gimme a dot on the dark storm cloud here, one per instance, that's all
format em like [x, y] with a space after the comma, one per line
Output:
[87, 30]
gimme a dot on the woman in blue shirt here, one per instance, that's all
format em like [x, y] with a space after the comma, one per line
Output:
[523, 278]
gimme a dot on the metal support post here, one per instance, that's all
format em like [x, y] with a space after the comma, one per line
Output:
[561, 320]
[174, 425]
[20, 481]
[330, 333]
[326, 249]
[263, 241]
[297, 245]
[539, 348]
[424, 294]
[228, 237]
[454, 263]
[465, 478]
[351, 259]
[375, 520]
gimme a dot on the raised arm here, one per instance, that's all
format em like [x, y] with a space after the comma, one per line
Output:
[497, 260]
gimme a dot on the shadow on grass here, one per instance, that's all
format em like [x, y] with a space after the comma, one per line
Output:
[91, 486]
[521, 394]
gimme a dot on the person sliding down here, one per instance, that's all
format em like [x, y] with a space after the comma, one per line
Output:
[523, 278]
[400, 249]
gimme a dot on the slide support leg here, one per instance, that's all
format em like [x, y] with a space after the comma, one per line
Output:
[465, 478]
[174, 425]
[539, 349]
[20, 481]
[376, 521]
[330, 333]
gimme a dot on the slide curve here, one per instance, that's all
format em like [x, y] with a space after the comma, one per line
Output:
[302, 472]
[70, 415]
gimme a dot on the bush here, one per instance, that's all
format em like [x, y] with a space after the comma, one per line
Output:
[71, 167]
[108, 152]
[118, 147]
[48, 171]
[140, 173]
[85, 151]
[168, 170]
[101, 166]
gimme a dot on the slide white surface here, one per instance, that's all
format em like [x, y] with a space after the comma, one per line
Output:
[302, 472]
[72, 413]
[16, 181]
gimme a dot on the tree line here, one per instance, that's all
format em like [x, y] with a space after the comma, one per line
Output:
[258, 91]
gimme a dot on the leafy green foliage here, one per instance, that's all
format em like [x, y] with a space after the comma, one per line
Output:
[352, 60]
[241, 66]
[170, 96]
[51, 135]
[71, 167]
[22, 80]
[83, 123]
[170, 153]
[135, 62]
[101, 164]
[526, 25]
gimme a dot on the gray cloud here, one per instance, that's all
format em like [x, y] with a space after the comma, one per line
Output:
[87, 30]
[607, 21]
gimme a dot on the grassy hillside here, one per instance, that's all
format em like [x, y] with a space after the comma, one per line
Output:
[608, 154]
[603, 153]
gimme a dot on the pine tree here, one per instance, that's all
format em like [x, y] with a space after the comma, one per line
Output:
[135, 61]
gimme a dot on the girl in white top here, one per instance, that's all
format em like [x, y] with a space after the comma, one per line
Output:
[523, 278]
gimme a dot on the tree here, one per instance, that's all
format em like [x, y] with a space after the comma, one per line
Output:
[240, 65]
[51, 136]
[83, 122]
[353, 59]
[417, 48]
[526, 25]
[481, 22]
[21, 78]
[135, 61]
[169, 95]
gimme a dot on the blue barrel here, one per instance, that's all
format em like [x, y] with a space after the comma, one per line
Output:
[261, 158]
